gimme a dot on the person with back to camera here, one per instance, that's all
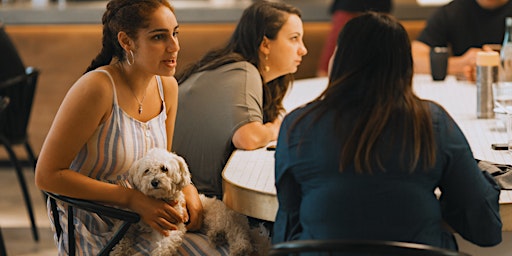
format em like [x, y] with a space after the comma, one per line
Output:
[124, 105]
[464, 26]
[362, 161]
[232, 97]
[342, 11]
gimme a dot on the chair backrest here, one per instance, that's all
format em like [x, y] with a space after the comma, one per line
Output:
[4, 102]
[11, 64]
[359, 247]
[18, 84]
[15, 118]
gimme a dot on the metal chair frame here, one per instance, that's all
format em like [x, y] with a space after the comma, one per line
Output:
[127, 217]
[18, 84]
[359, 247]
[25, 82]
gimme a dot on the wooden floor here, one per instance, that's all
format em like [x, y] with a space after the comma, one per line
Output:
[14, 219]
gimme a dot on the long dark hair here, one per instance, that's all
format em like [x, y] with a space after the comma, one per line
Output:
[261, 19]
[123, 15]
[371, 78]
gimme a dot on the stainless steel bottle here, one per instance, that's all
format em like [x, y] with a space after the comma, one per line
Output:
[486, 75]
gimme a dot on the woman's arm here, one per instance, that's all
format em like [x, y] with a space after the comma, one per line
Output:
[469, 197]
[256, 135]
[87, 104]
[194, 207]
[287, 224]
[85, 107]
[464, 65]
[248, 105]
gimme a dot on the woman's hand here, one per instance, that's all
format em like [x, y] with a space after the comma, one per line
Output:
[274, 127]
[464, 65]
[255, 135]
[158, 214]
[194, 207]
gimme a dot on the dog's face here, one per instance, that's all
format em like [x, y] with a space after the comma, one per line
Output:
[160, 174]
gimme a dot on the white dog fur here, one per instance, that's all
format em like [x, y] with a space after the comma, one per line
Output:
[163, 175]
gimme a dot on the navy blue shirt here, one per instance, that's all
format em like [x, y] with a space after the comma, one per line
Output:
[362, 5]
[316, 201]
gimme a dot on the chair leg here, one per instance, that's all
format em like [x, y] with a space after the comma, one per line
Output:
[23, 184]
[3, 250]
[71, 232]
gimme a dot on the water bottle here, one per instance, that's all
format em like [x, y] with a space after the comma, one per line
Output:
[506, 52]
[487, 64]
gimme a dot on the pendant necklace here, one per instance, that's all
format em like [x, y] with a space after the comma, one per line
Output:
[139, 101]
[131, 89]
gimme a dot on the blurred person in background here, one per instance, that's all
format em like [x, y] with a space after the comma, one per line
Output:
[341, 12]
[464, 26]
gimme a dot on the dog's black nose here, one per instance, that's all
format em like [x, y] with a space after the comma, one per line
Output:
[154, 183]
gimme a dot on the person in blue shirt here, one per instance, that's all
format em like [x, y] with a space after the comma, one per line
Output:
[364, 159]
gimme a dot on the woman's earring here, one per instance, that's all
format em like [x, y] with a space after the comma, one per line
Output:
[128, 58]
[266, 67]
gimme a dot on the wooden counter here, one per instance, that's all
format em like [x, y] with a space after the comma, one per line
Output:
[62, 53]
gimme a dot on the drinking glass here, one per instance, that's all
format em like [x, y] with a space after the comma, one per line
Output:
[509, 131]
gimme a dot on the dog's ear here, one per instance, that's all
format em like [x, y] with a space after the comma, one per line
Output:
[185, 173]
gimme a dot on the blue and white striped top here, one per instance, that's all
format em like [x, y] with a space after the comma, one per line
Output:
[107, 156]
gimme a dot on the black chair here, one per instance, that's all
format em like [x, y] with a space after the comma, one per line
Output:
[18, 84]
[4, 101]
[359, 247]
[3, 251]
[127, 217]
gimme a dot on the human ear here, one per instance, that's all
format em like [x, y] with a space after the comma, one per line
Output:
[265, 46]
[124, 40]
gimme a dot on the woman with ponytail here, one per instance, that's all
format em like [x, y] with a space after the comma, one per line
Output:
[232, 97]
[124, 105]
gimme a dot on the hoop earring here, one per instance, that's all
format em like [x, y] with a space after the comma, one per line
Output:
[266, 67]
[128, 58]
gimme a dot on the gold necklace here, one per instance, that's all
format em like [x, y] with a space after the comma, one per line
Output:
[139, 101]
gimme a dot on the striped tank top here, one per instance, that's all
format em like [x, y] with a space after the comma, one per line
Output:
[107, 156]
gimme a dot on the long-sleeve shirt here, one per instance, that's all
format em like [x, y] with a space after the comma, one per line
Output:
[317, 201]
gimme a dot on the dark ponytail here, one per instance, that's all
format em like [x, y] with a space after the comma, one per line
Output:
[123, 15]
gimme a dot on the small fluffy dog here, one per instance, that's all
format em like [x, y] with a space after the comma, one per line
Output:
[163, 175]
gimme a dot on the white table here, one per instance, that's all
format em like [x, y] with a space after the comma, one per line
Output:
[248, 177]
